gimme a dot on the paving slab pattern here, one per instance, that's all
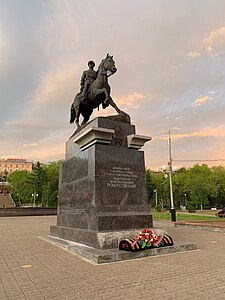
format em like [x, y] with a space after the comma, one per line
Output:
[31, 268]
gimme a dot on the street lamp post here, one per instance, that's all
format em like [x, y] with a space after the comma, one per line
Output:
[185, 198]
[19, 199]
[170, 170]
[34, 195]
[156, 197]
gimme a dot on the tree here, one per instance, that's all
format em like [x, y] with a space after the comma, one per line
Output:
[43, 180]
[38, 179]
[181, 186]
[201, 185]
[157, 182]
[197, 186]
[218, 174]
[22, 186]
[50, 187]
[149, 184]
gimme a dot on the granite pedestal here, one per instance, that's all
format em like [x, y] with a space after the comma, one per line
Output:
[102, 189]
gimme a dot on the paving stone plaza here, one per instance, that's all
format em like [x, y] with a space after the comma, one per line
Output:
[31, 268]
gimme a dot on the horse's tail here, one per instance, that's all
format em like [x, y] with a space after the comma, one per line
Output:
[72, 114]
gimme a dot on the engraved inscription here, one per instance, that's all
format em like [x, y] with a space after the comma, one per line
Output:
[74, 211]
[121, 178]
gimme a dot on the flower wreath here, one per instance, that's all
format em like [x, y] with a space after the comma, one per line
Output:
[147, 238]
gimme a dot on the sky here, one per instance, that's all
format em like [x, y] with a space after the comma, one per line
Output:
[170, 57]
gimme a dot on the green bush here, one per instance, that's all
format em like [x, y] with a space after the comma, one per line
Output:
[158, 208]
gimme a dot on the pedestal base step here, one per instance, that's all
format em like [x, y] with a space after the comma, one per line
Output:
[98, 256]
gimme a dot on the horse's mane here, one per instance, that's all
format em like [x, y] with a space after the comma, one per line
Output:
[99, 66]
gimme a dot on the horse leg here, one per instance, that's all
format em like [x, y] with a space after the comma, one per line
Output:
[85, 120]
[106, 96]
[105, 91]
[86, 116]
[72, 114]
[77, 110]
[113, 104]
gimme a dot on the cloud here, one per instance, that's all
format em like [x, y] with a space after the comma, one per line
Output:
[29, 145]
[216, 132]
[131, 100]
[42, 129]
[219, 149]
[3, 50]
[48, 103]
[49, 154]
[212, 45]
[201, 100]
[194, 54]
[175, 128]
[215, 40]
[61, 32]
[215, 37]
[48, 49]
[55, 87]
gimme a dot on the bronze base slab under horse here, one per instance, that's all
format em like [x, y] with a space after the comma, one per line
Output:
[122, 117]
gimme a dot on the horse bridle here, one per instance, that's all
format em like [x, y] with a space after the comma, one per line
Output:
[105, 73]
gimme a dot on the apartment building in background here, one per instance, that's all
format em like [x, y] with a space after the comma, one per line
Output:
[10, 165]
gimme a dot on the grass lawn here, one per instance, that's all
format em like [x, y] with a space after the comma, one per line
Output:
[157, 216]
[208, 212]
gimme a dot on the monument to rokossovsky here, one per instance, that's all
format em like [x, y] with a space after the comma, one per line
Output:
[102, 190]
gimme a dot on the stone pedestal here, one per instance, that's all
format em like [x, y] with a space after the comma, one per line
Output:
[102, 190]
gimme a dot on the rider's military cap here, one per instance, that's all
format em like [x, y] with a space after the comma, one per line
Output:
[91, 62]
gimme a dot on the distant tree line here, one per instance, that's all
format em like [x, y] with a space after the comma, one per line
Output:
[42, 183]
[197, 187]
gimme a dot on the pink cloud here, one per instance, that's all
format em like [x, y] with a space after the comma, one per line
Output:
[131, 100]
[202, 100]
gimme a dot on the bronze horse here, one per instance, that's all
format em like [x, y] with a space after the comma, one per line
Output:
[98, 93]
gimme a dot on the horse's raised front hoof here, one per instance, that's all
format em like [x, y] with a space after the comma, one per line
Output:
[125, 117]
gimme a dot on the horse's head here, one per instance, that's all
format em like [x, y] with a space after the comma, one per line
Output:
[108, 64]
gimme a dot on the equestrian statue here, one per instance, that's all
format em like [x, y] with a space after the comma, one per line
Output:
[94, 91]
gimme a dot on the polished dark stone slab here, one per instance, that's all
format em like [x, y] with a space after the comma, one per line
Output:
[105, 182]
[101, 188]
[99, 256]
[122, 130]
[96, 239]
